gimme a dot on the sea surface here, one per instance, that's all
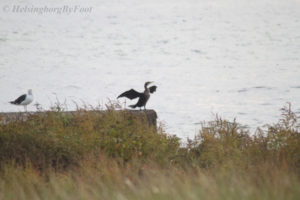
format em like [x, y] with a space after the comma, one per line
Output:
[235, 58]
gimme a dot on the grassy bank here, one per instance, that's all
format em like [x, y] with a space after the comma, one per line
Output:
[116, 156]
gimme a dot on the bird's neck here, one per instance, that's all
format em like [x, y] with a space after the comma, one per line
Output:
[146, 86]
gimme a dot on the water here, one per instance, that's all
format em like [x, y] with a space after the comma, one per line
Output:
[237, 58]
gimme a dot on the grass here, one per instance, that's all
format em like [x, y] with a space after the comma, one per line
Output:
[116, 156]
[106, 179]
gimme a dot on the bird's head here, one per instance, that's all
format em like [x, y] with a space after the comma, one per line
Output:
[148, 83]
[30, 91]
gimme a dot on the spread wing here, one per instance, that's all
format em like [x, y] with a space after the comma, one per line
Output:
[20, 99]
[152, 89]
[130, 94]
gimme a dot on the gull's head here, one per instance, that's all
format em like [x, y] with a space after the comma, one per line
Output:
[30, 91]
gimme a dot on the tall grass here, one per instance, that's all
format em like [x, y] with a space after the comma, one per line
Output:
[117, 156]
[106, 179]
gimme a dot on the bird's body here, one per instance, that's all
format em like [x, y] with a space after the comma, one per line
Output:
[24, 99]
[142, 100]
[143, 97]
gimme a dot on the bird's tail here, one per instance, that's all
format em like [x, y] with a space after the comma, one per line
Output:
[12, 102]
[132, 106]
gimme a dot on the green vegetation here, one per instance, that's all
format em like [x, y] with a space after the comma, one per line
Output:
[116, 156]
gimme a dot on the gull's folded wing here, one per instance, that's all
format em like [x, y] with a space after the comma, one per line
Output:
[19, 100]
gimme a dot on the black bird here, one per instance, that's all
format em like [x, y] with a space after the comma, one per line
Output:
[143, 97]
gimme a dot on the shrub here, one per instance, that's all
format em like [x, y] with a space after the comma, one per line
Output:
[58, 139]
[226, 145]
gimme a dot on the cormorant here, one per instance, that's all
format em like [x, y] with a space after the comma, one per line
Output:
[143, 97]
[24, 99]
